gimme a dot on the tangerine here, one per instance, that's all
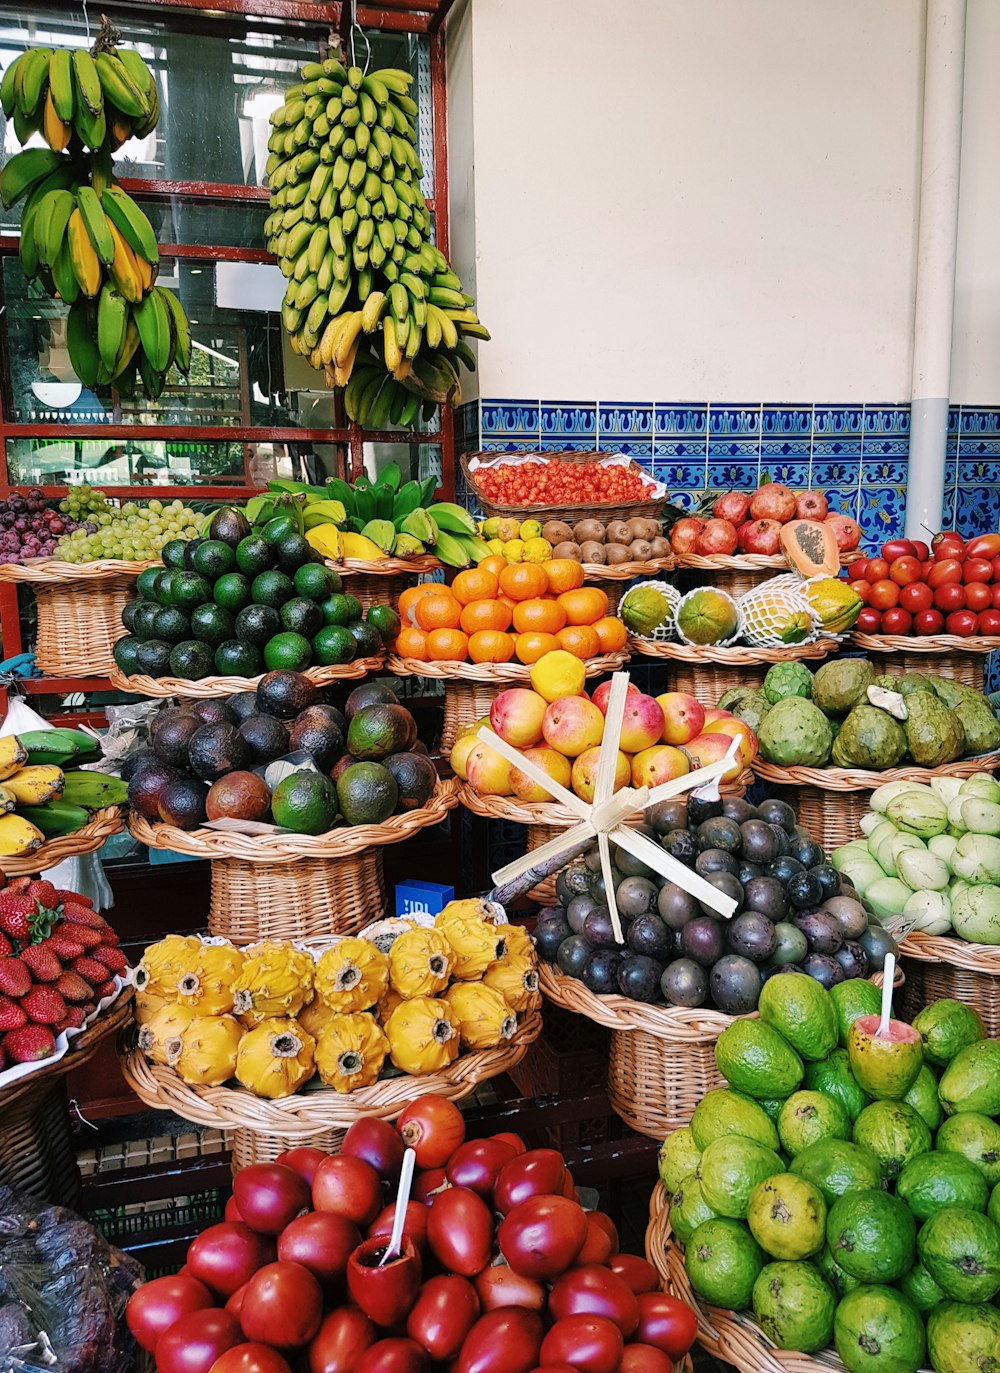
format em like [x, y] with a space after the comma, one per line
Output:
[491, 646]
[532, 646]
[583, 606]
[447, 645]
[409, 598]
[486, 614]
[495, 563]
[563, 574]
[580, 640]
[543, 616]
[411, 643]
[523, 581]
[611, 633]
[475, 584]
[438, 611]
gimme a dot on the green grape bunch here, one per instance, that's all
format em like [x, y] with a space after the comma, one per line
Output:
[131, 532]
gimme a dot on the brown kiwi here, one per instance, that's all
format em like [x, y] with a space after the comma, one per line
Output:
[660, 548]
[568, 549]
[557, 531]
[641, 550]
[617, 553]
[588, 531]
[592, 552]
[618, 531]
[643, 529]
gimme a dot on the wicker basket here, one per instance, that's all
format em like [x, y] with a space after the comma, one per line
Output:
[309, 1115]
[940, 966]
[708, 673]
[206, 688]
[739, 573]
[87, 839]
[79, 611]
[249, 1146]
[382, 583]
[962, 660]
[602, 510]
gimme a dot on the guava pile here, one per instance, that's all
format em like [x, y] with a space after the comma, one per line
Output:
[844, 1189]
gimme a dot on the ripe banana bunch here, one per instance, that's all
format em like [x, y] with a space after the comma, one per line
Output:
[80, 99]
[370, 298]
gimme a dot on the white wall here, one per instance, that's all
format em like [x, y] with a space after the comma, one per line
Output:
[713, 198]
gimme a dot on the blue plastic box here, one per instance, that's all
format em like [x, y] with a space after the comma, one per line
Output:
[422, 900]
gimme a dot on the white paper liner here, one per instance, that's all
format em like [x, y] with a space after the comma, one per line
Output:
[63, 1041]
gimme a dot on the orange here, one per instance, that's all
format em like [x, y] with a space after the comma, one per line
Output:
[544, 616]
[530, 647]
[495, 563]
[582, 607]
[411, 643]
[409, 598]
[563, 574]
[485, 615]
[610, 633]
[440, 611]
[475, 585]
[447, 645]
[580, 640]
[491, 646]
[522, 581]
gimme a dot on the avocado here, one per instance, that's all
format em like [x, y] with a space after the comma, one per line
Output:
[415, 776]
[214, 750]
[229, 526]
[162, 585]
[276, 529]
[294, 552]
[145, 583]
[367, 793]
[369, 694]
[254, 555]
[212, 711]
[232, 592]
[238, 796]
[256, 624]
[146, 786]
[285, 694]
[385, 621]
[128, 614]
[135, 761]
[237, 659]
[378, 730]
[172, 553]
[367, 637]
[144, 619]
[315, 581]
[340, 767]
[334, 644]
[272, 588]
[172, 625]
[192, 660]
[125, 654]
[265, 737]
[243, 705]
[189, 589]
[214, 559]
[153, 657]
[302, 616]
[170, 734]
[190, 548]
[336, 609]
[182, 803]
[305, 802]
[212, 625]
[287, 650]
[333, 711]
[317, 732]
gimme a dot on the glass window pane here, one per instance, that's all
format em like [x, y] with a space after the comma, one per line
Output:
[106, 461]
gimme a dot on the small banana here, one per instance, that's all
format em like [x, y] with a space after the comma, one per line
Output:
[33, 786]
[86, 263]
[18, 836]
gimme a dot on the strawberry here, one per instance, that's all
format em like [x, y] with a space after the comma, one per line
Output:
[82, 915]
[44, 1005]
[15, 978]
[19, 884]
[108, 936]
[44, 893]
[3, 1058]
[106, 989]
[64, 943]
[29, 1044]
[83, 934]
[113, 959]
[6, 947]
[19, 916]
[43, 962]
[72, 987]
[73, 896]
[11, 1015]
[90, 970]
[73, 1020]
[88, 1008]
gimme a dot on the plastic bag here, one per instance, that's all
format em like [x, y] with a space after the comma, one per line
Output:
[20, 718]
[63, 1292]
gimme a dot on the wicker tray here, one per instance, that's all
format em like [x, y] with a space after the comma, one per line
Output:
[89, 837]
[208, 687]
[82, 1048]
[626, 572]
[939, 966]
[602, 510]
[386, 567]
[739, 573]
[860, 779]
[496, 674]
[962, 660]
[551, 813]
[310, 1113]
[39, 571]
[708, 673]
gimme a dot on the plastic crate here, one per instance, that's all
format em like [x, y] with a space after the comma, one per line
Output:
[569, 1059]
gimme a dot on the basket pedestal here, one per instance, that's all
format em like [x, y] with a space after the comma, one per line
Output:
[545, 892]
[371, 589]
[37, 1154]
[299, 900]
[927, 982]
[652, 1086]
[79, 624]
[736, 582]
[464, 703]
[709, 682]
[831, 818]
[250, 1146]
[967, 668]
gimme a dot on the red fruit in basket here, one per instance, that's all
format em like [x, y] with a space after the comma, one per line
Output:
[978, 596]
[433, 1128]
[74, 1019]
[645, 1358]
[542, 1236]
[83, 935]
[506, 1136]
[321, 1242]
[862, 588]
[415, 1224]
[759, 536]
[985, 546]
[666, 1323]
[846, 531]
[948, 550]
[884, 594]
[42, 962]
[445, 1311]
[90, 970]
[73, 896]
[811, 505]
[80, 912]
[44, 1005]
[734, 506]
[106, 989]
[499, 1285]
[384, 1292]
[773, 501]
[949, 597]
[921, 551]
[539, 1172]
[945, 572]
[505, 1341]
[250, 1358]
[876, 571]
[592, 1344]
[227, 1255]
[196, 1340]
[270, 1196]
[964, 623]
[977, 570]
[283, 1305]
[29, 1044]
[869, 621]
[6, 947]
[857, 569]
[595, 1291]
[684, 533]
[427, 1183]
[349, 1187]
[904, 570]
[598, 1224]
[897, 548]
[15, 978]
[155, 1306]
[640, 1275]
[916, 596]
[927, 622]
[113, 959]
[304, 1160]
[341, 1340]
[897, 621]
[995, 595]
[718, 536]
[72, 987]
[393, 1356]
[477, 1163]
[989, 622]
[460, 1231]
[12, 1017]
[378, 1143]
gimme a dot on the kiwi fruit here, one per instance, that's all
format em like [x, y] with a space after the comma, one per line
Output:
[617, 531]
[568, 549]
[660, 548]
[557, 532]
[588, 531]
[641, 550]
[617, 553]
[643, 529]
[592, 552]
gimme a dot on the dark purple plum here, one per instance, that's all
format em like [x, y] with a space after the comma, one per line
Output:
[716, 860]
[804, 891]
[783, 868]
[676, 906]
[719, 833]
[751, 935]
[595, 883]
[850, 915]
[782, 840]
[549, 934]
[777, 812]
[648, 935]
[853, 959]
[704, 940]
[726, 883]
[829, 879]
[573, 954]
[746, 871]
[685, 983]
[592, 859]
[572, 881]
[824, 968]
[767, 895]
[639, 977]
[578, 909]
[680, 844]
[631, 866]
[807, 851]
[737, 808]
[667, 815]
[876, 943]
[820, 929]
[600, 972]
[735, 985]
[760, 842]
[636, 896]
[701, 808]
[598, 930]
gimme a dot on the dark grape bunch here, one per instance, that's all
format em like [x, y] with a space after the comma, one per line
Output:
[29, 528]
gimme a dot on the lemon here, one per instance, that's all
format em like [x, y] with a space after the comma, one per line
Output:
[531, 529]
[513, 550]
[508, 529]
[495, 546]
[537, 550]
[558, 674]
[489, 529]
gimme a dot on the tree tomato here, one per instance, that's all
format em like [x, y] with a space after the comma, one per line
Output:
[445, 1311]
[304, 1159]
[961, 622]
[270, 1196]
[869, 621]
[460, 1231]
[949, 597]
[927, 622]
[920, 550]
[876, 571]
[884, 594]
[235, 1303]
[476, 1164]
[322, 1242]
[897, 548]
[904, 571]
[232, 1211]
[504, 1341]
[640, 1275]
[378, 1143]
[591, 1344]
[857, 569]
[340, 1341]
[499, 1285]
[978, 596]
[193, 1343]
[542, 1236]
[156, 1305]
[977, 570]
[599, 1244]
[667, 1323]
[539, 1172]
[949, 550]
[595, 1291]
[897, 621]
[989, 622]
[996, 569]
[250, 1358]
[645, 1358]
[227, 1255]
[986, 546]
[863, 589]
[427, 1183]
[433, 1128]
[283, 1306]
[515, 1141]
[349, 1187]
[415, 1224]
[916, 596]
[393, 1356]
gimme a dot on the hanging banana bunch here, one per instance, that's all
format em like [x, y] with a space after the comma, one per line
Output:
[370, 298]
[83, 238]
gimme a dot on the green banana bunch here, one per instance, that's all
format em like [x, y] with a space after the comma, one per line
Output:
[93, 790]
[56, 818]
[61, 747]
[370, 299]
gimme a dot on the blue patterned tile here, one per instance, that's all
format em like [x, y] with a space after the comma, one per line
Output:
[638, 447]
[790, 448]
[977, 510]
[992, 673]
[742, 421]
[556, 442]
[842, 500]
[886, 419]
[732, 476]
[795, 474]
[726, 448]
[879, 473]
[950, 474]
[973, 446]
[954, 419]
[509, 417]
[973, 421]
[505, 445]
[786, 421]
[689, 476]
[886, 446]
[568, 418]
[691, 449]
[831, 469]
[836, 420]
[680, 420]
[978, 470]
[625, 420]
[881, 510]
[683, 499]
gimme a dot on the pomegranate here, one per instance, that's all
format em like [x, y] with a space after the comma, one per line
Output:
[759, 536]
[684, 534]
[718, 536]
[846, 531]
[811, 505]
[734, 506]
[773, 502]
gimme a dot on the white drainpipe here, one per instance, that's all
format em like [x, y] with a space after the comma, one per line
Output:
[940, 159]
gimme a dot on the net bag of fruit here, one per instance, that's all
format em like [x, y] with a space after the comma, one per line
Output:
[649, 610]
[777, 612]
[709, 616]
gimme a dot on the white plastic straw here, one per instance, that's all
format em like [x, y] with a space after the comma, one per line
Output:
[889, 974]
[399, 1218]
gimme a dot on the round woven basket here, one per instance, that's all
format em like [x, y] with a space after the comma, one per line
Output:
[89, 837]
[599, 510]
[382, 583]
[249, 1146]
[311, 1114]
[962, 660]
[708, 673]
[939, 966]
[206, 688]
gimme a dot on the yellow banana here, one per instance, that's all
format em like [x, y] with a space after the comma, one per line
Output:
[55, 132]
[86, 263]
[373, 310]
[33, 786]
[347, 338]
[13, 756]
[392, 350]
[7, 799]
[326, 540]
[331, 334]
[18, 836]
[124, 268]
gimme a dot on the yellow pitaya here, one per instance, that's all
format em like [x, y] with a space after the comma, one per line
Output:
[276, 980]
[352, 975]
[145, 1006]
[160, 1037]
[519, 946]
[350, 1051]
[420, 963]
[208, 1049]
[475, 943]
[163, 963]
[485, 1020]
[516, 979]
[423, 1035]
[390, 1000]
[315, 1017]
[275, 1058]
[207, 986]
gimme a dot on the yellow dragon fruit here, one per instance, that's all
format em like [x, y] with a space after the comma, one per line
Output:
[420, 963]
[475, 943]
[160, 1036]
[145, 1006]
[423, 1035]
[390, 1000]
[519, 948]
[315, 1017]
[276, 980]
[350, 1051]
[208, 1049]
[485, 1020]
[516, 979]
[352, 975]
[163, 963]
[207, 986]
[275, 1058]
